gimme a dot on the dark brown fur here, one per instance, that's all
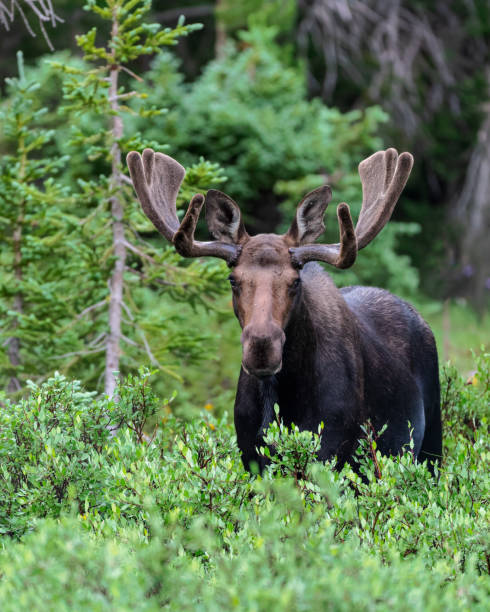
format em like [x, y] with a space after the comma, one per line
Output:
[344, 357]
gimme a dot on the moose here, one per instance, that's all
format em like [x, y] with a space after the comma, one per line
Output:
[341, 357]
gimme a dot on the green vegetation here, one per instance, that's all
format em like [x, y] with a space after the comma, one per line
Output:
[43, 253]
[136, 499]
[170, 518]
[85, 229]
[459, 331]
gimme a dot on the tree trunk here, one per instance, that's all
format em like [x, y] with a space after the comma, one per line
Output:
[220, 32]
[117, 278]
[13, 350]
[471, 211]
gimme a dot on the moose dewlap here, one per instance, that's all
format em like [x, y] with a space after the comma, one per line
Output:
[322, 354]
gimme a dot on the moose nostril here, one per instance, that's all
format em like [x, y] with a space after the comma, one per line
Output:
[262, 349]
[263, 337]
[261, 344]
[278, 335]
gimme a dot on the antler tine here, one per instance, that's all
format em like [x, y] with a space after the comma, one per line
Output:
[383, 177]
[157, 179]
[340, 255]
[186, 246]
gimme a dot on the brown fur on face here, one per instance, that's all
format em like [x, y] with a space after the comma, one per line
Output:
[265, 286]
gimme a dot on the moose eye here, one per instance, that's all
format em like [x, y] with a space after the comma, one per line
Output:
[295, 286]
[233, 282]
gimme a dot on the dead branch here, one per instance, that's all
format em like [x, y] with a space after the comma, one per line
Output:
[42, 9]
[388, 49]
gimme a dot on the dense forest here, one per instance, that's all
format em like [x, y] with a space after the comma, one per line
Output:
[119, 358]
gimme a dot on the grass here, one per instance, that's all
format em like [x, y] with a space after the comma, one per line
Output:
[459, 331]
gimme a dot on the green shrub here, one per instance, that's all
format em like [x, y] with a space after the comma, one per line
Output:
[56, 449]
[464, 403]
[274, 566]
[162, 514]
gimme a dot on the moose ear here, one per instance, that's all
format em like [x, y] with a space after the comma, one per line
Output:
[224, 218]
[308, 223]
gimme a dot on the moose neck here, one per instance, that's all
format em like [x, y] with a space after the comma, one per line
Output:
[301, 346]
[297, 364]
[318, 321]
[322, 344]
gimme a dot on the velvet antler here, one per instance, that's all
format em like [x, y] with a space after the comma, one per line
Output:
[383, 177]
[157, 179]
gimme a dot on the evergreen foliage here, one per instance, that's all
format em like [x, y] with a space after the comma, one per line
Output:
[73, 220]
[250, 113]
[98, 92]
[43, 253]
[425, 63]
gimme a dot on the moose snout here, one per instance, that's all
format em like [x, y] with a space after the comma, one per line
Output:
[262, 349]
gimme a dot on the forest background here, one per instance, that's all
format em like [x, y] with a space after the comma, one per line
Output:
[265, 100]
[124, 495]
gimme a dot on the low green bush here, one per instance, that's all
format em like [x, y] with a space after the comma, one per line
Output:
[162, 514]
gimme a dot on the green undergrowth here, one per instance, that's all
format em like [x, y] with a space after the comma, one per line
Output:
[166, 517]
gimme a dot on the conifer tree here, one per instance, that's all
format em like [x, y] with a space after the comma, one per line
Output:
[100, 101]
[41, 252]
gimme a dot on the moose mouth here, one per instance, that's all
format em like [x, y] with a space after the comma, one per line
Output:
[262, 372]
[262, 350]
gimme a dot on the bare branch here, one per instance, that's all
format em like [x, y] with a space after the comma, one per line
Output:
[42, 9]
[80, 353]
[131, 73]
[388, 48]
[125, 179]
[138, 252]
[90, 308]
[100, 338]
[127, 311]
[152, 358]
[129, 341]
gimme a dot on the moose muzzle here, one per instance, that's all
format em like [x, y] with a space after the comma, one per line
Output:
[262, 349]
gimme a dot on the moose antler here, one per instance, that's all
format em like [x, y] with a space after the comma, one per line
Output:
[383, 177]
[157, 179]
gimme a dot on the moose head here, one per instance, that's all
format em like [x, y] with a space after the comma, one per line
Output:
[265, 277]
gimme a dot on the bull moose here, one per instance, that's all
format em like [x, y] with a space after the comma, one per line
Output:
[322, 354]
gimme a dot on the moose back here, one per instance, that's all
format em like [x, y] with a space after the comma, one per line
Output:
[322, 354]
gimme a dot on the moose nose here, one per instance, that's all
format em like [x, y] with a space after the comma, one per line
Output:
[263, 335]
[262, 349]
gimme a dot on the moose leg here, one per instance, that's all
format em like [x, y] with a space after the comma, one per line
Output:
[431, 450]
[404, 416]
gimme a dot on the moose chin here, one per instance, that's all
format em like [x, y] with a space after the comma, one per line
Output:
[341, 357]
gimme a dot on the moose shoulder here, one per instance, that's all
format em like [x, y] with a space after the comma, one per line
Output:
[338, 356]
